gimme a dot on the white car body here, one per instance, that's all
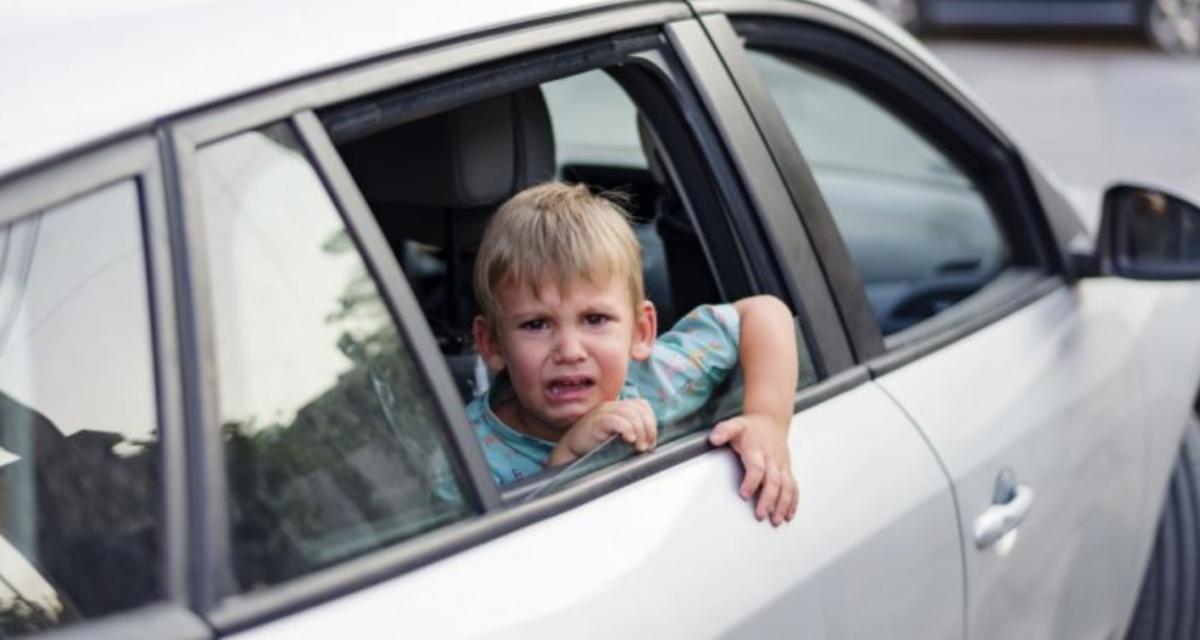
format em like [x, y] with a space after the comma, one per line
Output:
[1082, 392]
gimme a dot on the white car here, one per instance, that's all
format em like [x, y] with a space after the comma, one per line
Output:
[235, 240]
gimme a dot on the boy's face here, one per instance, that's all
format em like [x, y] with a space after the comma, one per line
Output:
[566, 351]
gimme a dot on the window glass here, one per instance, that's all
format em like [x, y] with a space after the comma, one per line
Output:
[594, 122]
[79, 501]
[333, 444]
[917, 228]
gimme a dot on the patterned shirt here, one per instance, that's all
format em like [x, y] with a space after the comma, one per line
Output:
[685, 366]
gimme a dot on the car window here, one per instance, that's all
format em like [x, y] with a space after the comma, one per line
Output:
[916, 226]
[333, 445]
[592, 120]
[79, 456]
[433, 183]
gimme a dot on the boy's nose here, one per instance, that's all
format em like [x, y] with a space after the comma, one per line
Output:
[568, 347]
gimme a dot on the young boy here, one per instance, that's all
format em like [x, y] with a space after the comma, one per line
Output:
[566, 327]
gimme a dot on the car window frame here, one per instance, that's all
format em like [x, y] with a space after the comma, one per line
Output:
[780, 236]
[134, 157]
[911, 88]
[651, 74]
[219, 596]
[297, 101]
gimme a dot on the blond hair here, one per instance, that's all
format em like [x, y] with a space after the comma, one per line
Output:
[557, 231]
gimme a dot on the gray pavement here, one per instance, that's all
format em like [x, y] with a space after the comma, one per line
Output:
[1093, 112]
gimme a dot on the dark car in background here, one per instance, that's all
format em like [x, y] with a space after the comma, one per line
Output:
[1172, 25]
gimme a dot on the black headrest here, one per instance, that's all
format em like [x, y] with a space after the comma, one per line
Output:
[473, 156]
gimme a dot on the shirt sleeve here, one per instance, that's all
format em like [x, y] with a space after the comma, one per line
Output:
[688, 362]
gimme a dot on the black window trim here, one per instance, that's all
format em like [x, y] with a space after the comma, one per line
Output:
[136, 158]
[836, 266]
[783, 244]
[854, 53]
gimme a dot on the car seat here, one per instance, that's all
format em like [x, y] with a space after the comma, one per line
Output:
[433, 184]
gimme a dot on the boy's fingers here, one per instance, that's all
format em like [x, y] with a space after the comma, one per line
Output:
[787, 501]
[725, 431]
[755, 470]
[632, 424]
[795, 496]
[619, 424]
[648, 422]
[633, 412]
[769, 496]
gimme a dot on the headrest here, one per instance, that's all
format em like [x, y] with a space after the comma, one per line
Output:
[476, 155]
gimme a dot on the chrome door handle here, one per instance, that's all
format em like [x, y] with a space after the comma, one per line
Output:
[999, 519]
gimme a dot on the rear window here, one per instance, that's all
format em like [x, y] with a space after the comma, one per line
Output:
[79, 503]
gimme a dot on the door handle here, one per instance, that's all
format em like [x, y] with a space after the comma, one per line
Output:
[1009, 508]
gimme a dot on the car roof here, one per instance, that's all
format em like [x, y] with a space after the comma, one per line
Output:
[77, 71]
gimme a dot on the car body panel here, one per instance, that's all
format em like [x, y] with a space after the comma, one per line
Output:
[1057, 394]
[873, 548]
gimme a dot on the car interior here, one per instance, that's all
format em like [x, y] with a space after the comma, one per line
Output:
[432, 184]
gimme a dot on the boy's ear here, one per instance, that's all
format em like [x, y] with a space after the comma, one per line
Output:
[486, 344]
[645, 331]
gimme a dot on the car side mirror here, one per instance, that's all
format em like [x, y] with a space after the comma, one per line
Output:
[1148, 234]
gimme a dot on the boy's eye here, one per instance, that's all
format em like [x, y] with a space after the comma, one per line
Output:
[536, 324]
[595, 319]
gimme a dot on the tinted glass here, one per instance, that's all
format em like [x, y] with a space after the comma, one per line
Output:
[79, 507]
[917, 228]
[333, 443]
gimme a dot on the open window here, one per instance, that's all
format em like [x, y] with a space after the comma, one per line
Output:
[434, 162]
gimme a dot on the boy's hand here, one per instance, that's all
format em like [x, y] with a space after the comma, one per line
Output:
[762, 445]
[632, 420]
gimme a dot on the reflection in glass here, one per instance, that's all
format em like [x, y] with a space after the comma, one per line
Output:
[333, 445]
[919, 232]
[79, 513]
[1159, 232]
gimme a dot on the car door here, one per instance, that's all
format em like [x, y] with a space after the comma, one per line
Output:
[1027, 388]
[657, 544]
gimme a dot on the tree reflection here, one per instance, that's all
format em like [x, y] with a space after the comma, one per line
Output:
[355, 468]
[82, 510]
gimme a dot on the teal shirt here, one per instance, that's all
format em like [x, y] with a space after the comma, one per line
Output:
[686, 364]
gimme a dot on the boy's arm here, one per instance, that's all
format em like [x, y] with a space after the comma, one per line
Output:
[770, 369]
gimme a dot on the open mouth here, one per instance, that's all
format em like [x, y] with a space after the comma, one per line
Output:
[568, 386]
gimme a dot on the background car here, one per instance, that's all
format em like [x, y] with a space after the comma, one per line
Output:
[234, 349]
[1172, 25]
